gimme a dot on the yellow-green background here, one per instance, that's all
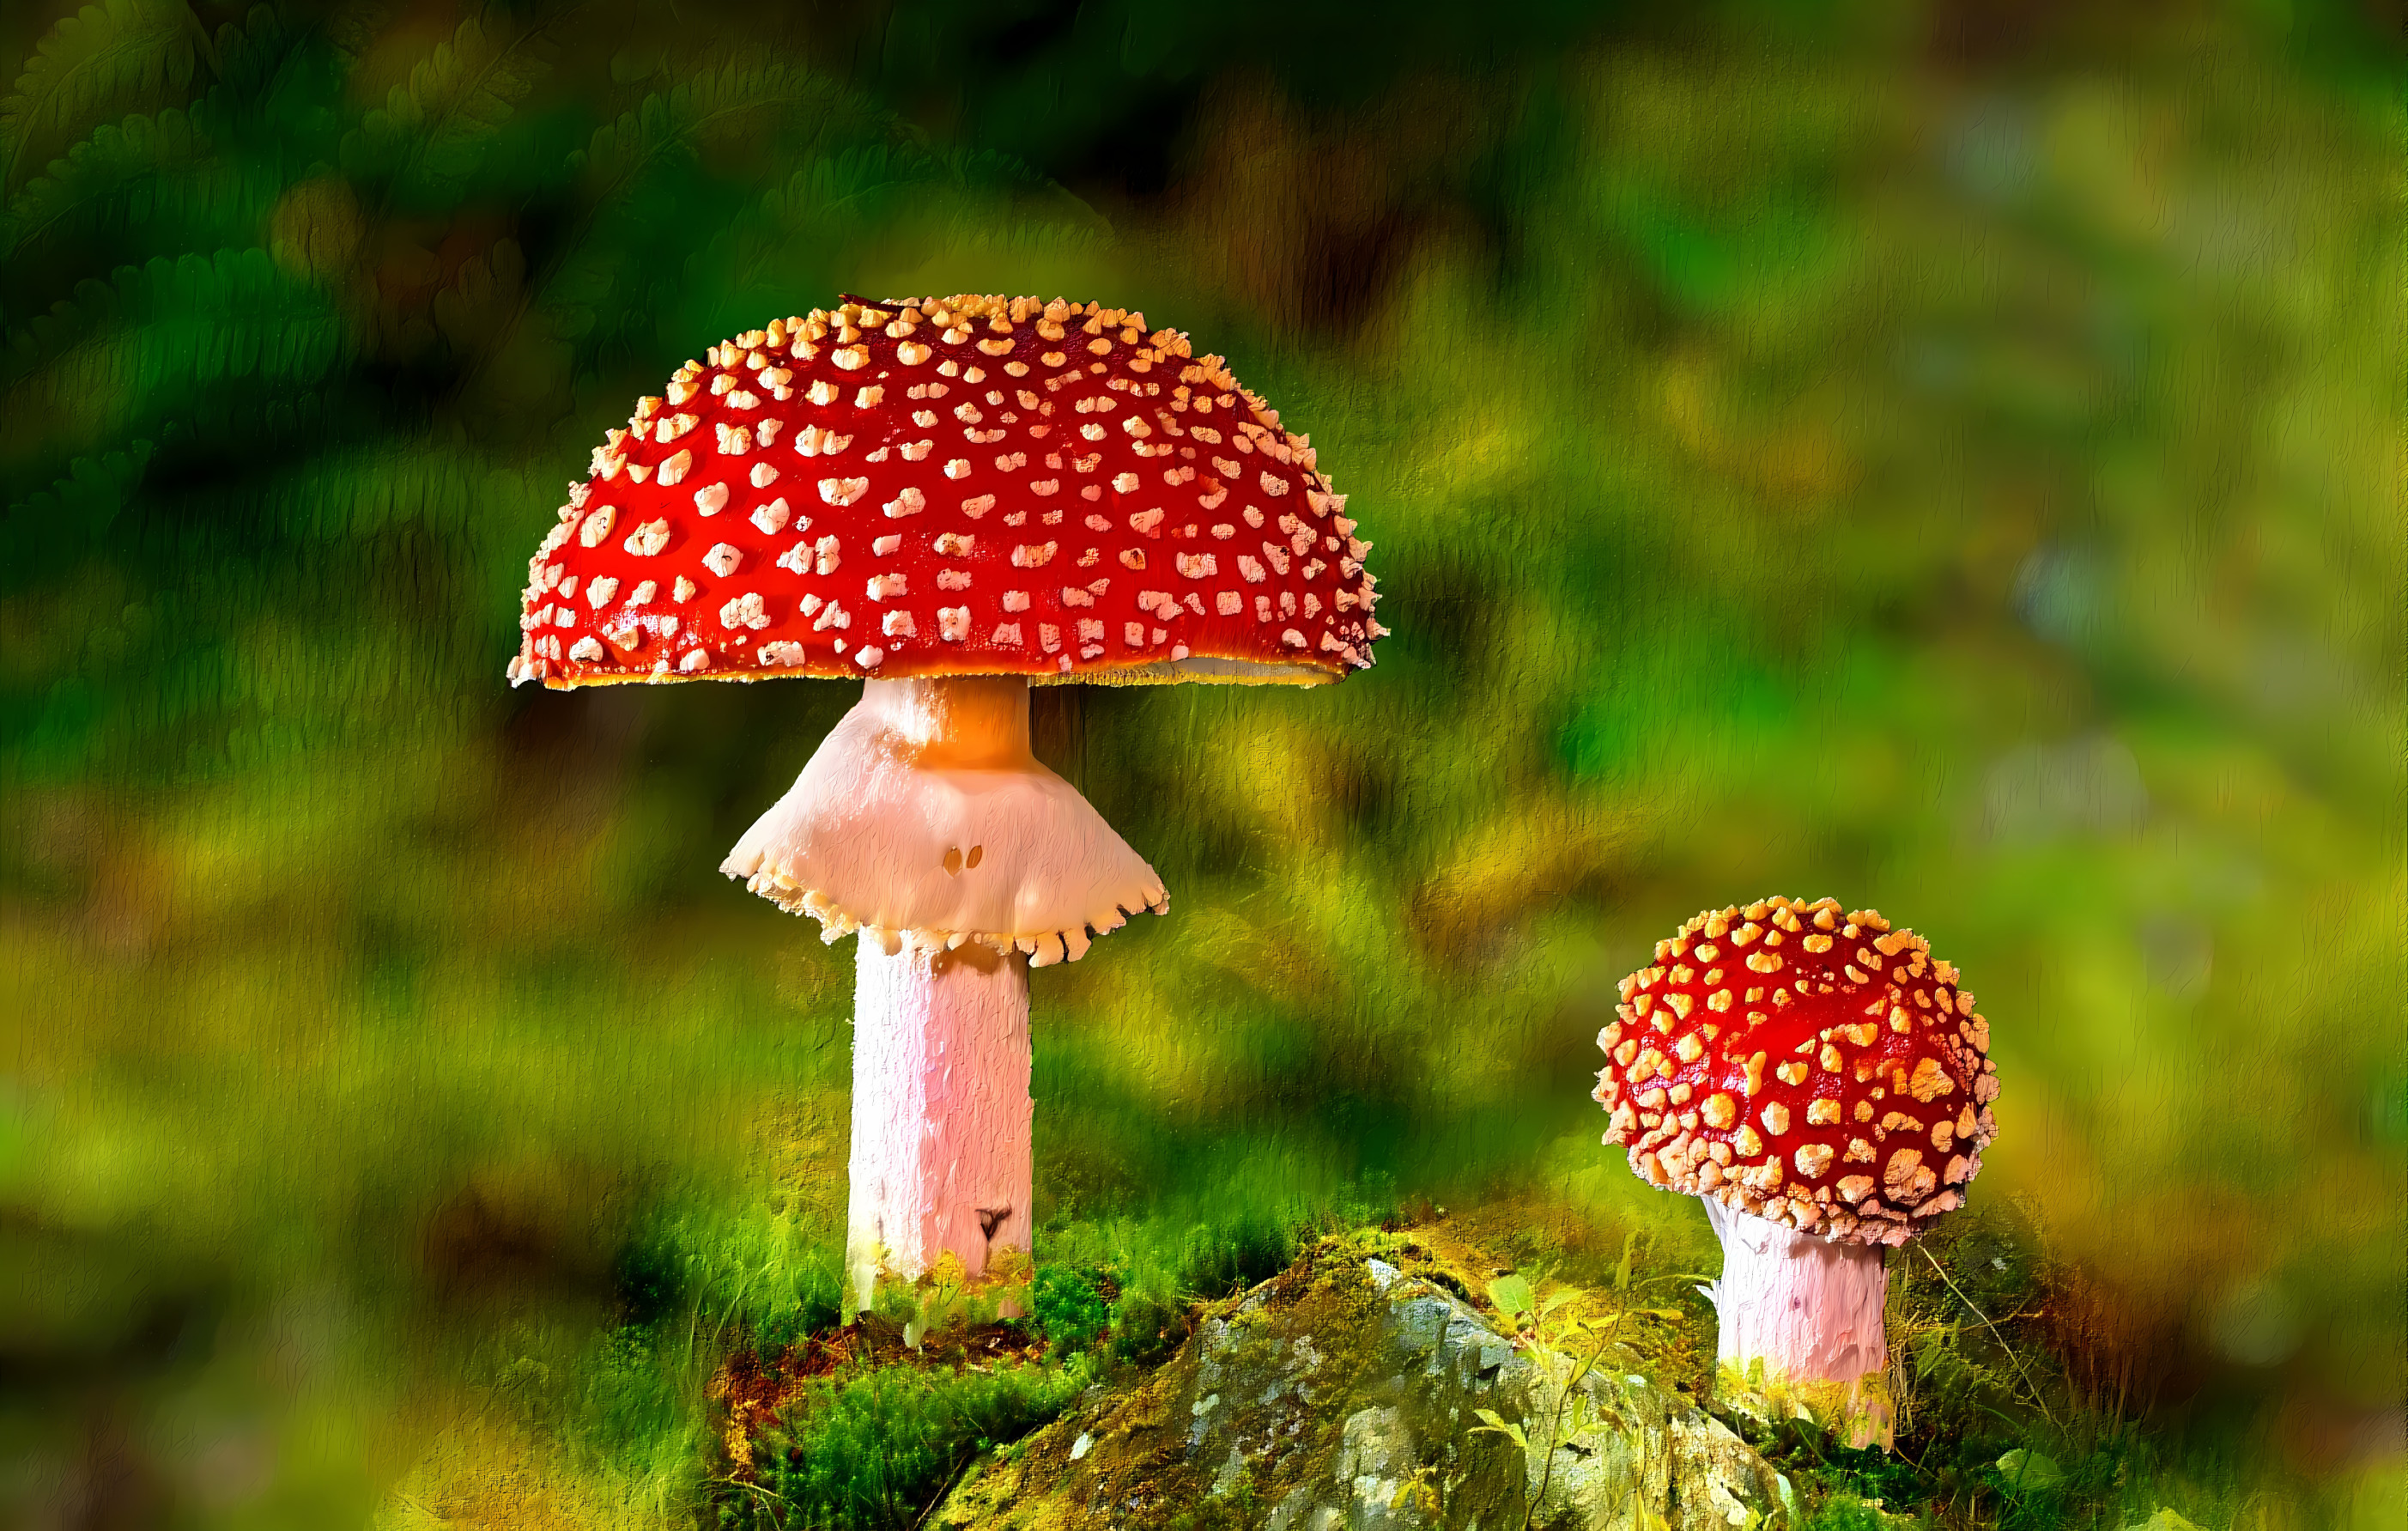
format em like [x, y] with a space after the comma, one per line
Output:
[1944, 457]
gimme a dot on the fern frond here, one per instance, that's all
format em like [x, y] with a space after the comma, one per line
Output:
[805, 235]
[281, 97]
[153, 343]
[345, 496]
[645, 214]
[47, 528]
[197, 178]
[483, 291]
[432, 132]
[108, 61]
[161, 176]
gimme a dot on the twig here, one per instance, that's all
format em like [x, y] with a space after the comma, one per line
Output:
[741, 1483]
[1996, 1334]
[951, 1483]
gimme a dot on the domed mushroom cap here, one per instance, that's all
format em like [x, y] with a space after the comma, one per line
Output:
[950, 487]
[1812, 1067]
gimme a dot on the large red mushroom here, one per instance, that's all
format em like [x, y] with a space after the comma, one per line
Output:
[1826, 1086]
[948, 499]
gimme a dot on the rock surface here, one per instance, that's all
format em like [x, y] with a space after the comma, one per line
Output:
[1342, 1394]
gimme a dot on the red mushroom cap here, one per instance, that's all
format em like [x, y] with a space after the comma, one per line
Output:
[950, 487]
[1814, 1068]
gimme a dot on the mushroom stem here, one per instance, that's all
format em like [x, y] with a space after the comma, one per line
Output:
[941, 1105]
[957, 722]
[940, 1110]
[923, 822]
[1802, 1323]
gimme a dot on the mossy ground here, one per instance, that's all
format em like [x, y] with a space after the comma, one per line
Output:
[1143, 1475]
[853, 1428]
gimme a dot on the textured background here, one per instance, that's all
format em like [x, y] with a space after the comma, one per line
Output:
[1947, 458]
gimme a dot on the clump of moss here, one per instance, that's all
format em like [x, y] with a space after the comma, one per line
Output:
[871, 1450]
[1068, 1307]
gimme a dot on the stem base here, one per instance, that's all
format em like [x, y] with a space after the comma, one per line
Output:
[940, 1112]
[1801, 1330]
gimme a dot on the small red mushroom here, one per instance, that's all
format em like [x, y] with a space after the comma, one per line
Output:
[949, 498]
[1825, 1085]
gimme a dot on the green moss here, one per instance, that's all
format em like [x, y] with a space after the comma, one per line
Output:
[1135, 1453]
[1068, 1308]
[872, 1451]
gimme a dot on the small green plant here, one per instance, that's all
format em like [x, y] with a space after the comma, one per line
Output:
[1566, 1348]
[1068, 1309]
[1847, 1513]
[947, 1296]
[1147, 1326]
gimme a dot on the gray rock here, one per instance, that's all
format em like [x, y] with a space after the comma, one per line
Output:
[1343, 1396]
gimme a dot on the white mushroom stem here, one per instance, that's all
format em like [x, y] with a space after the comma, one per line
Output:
[1809, 1311]
[940, 1110]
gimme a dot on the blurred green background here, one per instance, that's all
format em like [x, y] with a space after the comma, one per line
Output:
[1944, 457]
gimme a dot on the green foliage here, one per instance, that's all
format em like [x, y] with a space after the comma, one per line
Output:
[2022, 1471]
[107, 61]
[1068, 1309]
[1567, 1344]
[434, 132]
[1847, 1513]
[871, 1452]
[1969, 489]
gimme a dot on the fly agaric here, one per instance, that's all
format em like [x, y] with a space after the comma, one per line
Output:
[951, 500]
[1825, 1085]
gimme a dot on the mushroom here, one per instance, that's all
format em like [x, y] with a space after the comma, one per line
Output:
[951, 500]
[1825, 1085]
